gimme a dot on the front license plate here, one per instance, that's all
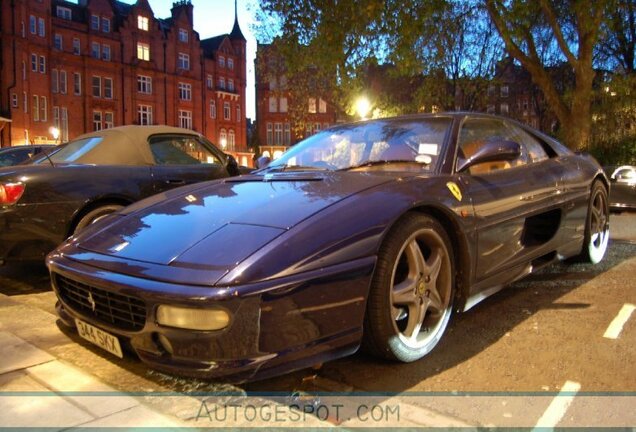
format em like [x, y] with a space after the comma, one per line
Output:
[99, 337]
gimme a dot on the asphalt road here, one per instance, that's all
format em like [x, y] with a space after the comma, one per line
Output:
[534, 336]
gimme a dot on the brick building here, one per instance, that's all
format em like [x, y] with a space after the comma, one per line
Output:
[277, 127]
[97, 64]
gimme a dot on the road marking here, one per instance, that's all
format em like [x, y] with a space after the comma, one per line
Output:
[558, 407]
[616, 326]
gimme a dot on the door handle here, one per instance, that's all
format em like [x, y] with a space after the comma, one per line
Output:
[175, 182]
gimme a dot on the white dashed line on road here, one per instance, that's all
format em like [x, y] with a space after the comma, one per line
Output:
[558, 407]
[616, 326]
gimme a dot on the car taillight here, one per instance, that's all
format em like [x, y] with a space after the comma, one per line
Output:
[10, 193]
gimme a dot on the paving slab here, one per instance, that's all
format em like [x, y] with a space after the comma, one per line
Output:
[18, 354]
[137, 417]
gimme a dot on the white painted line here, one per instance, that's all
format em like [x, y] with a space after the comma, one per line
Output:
[558, 407]
[616, 326]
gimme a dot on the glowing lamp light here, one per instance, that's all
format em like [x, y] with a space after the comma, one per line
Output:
[55, 132]
[363, 106]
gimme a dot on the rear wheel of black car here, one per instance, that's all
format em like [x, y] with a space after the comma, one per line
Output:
[596, 225]
[411, 294]
[95, 215]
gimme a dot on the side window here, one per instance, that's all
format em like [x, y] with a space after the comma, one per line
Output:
[475, 133]
[181, 150]
[530, 146]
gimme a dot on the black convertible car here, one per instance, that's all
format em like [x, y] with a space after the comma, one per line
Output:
[44, 202]
[368, 234]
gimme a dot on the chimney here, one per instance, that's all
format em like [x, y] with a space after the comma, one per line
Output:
[183, 6]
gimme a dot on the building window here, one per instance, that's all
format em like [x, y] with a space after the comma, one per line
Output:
[58, 42]
[142, 23]
[222, 83]
[185, 119]
[77, 50]
[43, 109]
[64, 125]
[109, 122]
[94, 22]
[77, 83]
[490, 109]
[105, 25]
[209, 81]
[143, 51]
[287, 135]
[278, 133]
[308, 131]
[238, 114]
[33, 24]
[270, 134]
[226, 111]
[223, 139]
[492, 90]
[144, 84]
[42, 64]
[230, 64]
[95, 50]
[183, 35]
[503, 108]
[185, 91]
[97, 120]
[184, 61]
[144, 114]
[230, 85]
[212, 108]
[55, 81]
[97, 87]
[106, 52]
[222, 61]
[312, 106]
[63, 82]
[36, 108]
[504, 91]
[317, 128]
[34, 62]
[14, 100]
[272, 104]
[231, 140]
[283, 104]
[322, 105]
[64, 13]
[41, 27]
[108, 88]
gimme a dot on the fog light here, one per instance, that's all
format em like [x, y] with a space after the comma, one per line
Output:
[193, 319]
[165, 344]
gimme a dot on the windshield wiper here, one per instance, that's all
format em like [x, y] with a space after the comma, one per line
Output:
[370, 163]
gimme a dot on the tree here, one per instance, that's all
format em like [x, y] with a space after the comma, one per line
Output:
[568, 30]
[618, 41]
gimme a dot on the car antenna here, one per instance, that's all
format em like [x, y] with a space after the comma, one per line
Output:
[46, 155]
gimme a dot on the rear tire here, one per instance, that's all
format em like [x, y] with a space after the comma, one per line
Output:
[95, 215]
[596, 226]
[411, 295]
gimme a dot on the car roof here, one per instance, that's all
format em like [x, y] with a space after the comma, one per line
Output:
[126, 145]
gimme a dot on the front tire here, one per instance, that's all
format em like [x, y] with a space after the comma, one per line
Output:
[411, 296]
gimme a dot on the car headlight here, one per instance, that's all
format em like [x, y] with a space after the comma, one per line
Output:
[193, 319]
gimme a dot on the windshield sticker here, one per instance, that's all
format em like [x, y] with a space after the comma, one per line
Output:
[428, 149]
[454, 189]
[425, 159]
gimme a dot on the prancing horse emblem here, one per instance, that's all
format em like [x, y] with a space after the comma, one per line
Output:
[91, 301]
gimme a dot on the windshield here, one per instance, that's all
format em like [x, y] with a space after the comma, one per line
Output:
[392, 144]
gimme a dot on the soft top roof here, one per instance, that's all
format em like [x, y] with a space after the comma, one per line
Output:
[125, 145]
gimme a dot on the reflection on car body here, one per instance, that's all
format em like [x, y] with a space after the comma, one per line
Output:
[371, 234]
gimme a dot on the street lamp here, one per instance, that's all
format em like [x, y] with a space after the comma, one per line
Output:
[223, 143]
[55, 132]
[363, 106]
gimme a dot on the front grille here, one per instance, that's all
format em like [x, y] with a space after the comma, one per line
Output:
[117, 310]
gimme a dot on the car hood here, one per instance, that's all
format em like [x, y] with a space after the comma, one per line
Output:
[216, 226]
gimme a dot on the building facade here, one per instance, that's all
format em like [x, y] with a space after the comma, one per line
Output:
[95, 64]
[278, 127]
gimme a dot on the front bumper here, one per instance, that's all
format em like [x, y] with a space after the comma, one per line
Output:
[277, 326]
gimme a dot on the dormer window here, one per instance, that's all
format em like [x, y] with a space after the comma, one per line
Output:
[183, 35]
[142, 23]
[64, 13]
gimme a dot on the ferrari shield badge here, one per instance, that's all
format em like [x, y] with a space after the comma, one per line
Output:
[454, 189]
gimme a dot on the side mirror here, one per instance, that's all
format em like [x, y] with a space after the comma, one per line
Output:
[493, 151]
[263, 161]
[231, 165]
